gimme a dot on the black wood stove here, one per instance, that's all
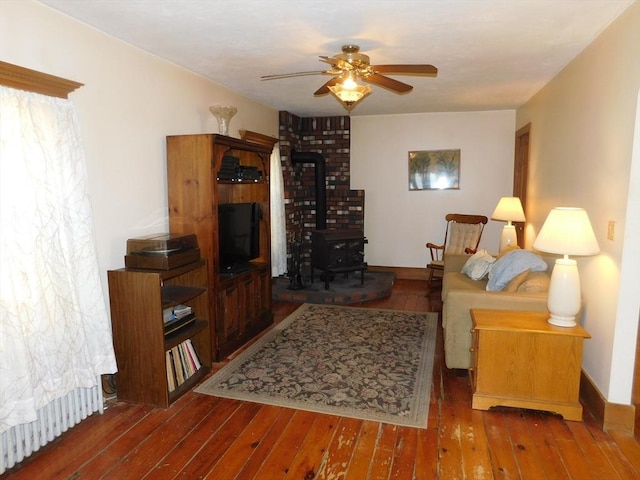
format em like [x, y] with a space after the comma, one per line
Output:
[338, 251]
[332, 250]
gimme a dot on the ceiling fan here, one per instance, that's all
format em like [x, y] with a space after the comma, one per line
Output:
[351, 65]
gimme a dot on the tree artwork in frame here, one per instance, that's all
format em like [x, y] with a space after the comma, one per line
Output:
[434, 170]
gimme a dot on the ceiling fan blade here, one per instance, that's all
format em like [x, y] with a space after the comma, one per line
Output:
[324, 89]
[429, 70]
[387, 82]
[295, 74]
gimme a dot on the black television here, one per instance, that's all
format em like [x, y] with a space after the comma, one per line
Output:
[238, 236]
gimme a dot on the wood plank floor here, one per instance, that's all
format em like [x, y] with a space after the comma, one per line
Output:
[206, 437]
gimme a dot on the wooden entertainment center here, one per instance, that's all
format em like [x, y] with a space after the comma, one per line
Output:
[240, 305]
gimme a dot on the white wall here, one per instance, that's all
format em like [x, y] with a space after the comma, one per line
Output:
[581, 155]
[399, 222]
[131, 100]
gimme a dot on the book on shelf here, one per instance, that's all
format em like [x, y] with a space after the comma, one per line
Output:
[193, 355]
[171, 374]
[177, 366]
[182, 363]
[186, 362]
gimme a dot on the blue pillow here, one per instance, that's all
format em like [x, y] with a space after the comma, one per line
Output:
[512, 264]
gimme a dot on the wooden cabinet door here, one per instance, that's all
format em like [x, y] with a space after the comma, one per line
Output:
[248, 305]
[263, 293]
[228, 315]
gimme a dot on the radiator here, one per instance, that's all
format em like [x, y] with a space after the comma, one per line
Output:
[54, 419]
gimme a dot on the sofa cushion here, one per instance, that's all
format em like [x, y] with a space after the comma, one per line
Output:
[478, 265]
[458, 281]
[512, 264]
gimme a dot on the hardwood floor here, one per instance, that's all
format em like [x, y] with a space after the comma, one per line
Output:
[207, 437]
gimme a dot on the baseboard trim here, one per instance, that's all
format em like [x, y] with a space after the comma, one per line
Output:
[610, 416]
[402, 273]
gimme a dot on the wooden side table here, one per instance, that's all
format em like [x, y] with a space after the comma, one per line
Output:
[520, 360]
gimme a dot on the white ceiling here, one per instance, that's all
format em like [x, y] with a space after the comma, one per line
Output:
[491, 54]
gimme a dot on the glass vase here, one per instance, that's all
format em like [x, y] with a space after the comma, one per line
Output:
[223, 114]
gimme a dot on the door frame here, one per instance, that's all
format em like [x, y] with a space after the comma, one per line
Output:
[521, 176]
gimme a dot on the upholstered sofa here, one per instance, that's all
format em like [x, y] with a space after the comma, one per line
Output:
[460, 294]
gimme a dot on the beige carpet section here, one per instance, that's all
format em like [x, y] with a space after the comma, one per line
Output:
[364, 363]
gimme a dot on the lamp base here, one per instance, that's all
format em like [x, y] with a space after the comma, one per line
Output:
[508, 236]
[562, 321]
[564, 293]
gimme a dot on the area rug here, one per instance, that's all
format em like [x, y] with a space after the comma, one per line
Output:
[362, 363]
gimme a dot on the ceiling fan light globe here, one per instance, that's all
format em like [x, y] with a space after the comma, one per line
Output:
[349, 97]
[349, 84]
[350, 94]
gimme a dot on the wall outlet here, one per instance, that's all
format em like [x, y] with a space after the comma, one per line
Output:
[611, 230]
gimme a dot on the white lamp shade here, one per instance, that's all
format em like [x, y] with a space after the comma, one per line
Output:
[567, 231]
[509, 209]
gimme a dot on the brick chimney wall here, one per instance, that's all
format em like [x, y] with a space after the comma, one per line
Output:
[330, 137]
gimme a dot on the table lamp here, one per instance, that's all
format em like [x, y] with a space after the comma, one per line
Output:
[509, 209]
[566, 231]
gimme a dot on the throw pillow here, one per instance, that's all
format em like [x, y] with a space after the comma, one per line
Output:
[510, 265]
[536, 282]
[478, 265]
[516, 281]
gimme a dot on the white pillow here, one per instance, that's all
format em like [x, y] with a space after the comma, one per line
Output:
[478, 265]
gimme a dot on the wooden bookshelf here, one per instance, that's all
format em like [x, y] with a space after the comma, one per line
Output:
[138, 298]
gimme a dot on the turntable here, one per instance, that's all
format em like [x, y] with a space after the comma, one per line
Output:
[162, 251]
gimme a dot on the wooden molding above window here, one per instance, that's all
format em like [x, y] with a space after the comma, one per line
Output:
[33, 81]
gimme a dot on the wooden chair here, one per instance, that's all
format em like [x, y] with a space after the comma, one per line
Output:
[462, 235]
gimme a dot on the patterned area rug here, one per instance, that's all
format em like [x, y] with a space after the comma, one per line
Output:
[355, 362]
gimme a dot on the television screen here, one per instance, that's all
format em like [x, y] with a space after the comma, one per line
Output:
[238, 235]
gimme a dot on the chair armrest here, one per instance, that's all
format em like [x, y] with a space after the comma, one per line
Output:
[433, 249]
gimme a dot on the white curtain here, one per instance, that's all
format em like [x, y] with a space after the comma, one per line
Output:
[278, 225]
[55, 333]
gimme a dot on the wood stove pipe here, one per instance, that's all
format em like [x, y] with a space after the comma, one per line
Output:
[320, 178]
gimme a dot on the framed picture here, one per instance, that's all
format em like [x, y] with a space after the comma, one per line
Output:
[434, 170]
